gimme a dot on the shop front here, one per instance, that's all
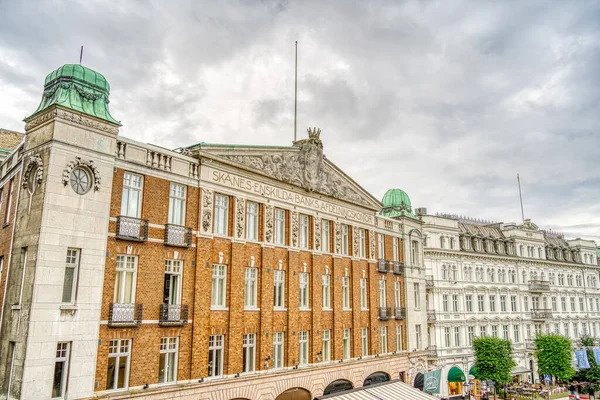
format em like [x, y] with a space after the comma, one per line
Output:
[456, 379]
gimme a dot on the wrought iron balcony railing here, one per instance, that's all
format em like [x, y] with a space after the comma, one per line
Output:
[431, 317]
[432, 351]
[429, 281]
[398, 267]
[125, 315]
[177, 235]
[173, 314]
[130, 228]
[383, 266]
[539, 286]
[400, 313]
[385, 313]
[541, 313]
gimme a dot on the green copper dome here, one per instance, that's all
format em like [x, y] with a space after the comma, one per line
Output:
[77, 88]
[396, 203]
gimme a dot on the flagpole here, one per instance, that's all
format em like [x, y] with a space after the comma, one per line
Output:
[296, 91]
[80, 55]
[521, 198]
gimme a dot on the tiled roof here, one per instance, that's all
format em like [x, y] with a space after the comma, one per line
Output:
[487, 231]
[9, 139]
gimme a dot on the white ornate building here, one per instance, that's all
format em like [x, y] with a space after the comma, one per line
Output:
[505, 280]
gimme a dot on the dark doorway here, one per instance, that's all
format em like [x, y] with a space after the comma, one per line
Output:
[419, 380]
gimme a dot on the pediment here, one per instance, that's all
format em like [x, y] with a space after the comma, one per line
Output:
[303, 165]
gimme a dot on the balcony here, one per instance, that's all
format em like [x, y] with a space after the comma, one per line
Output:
[431, 317]
[173, 314]
[383, 266]
[385, 313]
[432, 351]
[530, 344]
[398, 267]
[400, 313]
[429, 281]
[177, 235]
[539, 286]
[541, 313]
[129, 228]
[122, 315]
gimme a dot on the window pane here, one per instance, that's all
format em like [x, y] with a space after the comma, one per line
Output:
[67, 296]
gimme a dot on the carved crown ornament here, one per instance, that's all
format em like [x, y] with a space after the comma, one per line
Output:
[78, 163]
[34, 173]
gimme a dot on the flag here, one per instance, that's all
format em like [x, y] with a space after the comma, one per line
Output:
[597, 355]
[431, 383]
[582, 359]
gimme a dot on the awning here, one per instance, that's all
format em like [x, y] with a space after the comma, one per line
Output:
[385, 391]
[473, 372]
[518, 370]
[456, 375]
[419, 381]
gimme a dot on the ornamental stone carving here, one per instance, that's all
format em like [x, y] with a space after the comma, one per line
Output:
[70, 117]
[207, 205]
[355, 243]
[295, 229]
[34, 173]
[305, 168]
[79, 162]
[317, 231]
[337, 229]
[239, 217]
[372, 244]
[269, 224]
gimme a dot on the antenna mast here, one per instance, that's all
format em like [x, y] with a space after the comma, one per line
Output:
[521, 198]
[296, 91]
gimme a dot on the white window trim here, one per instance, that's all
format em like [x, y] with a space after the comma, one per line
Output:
[167, 342]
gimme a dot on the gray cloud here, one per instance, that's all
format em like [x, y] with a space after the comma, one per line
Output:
[446, 100]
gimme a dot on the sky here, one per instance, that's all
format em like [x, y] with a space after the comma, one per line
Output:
[447, 100]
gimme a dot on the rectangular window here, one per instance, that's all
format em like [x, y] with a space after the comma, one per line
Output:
[455, 302]
[383, 340]
[69, 293]
[345, 292]
[480, 302]
[414, 252]
[516, 333]
[215, 355]
[495, 330]
[572, 303]
[567, 330]
[364, 341]
[417, 295]
[304, 290]
[9, 201]
[363, 294]
[177, 197]
[362, 243]
[502, 303]
[380, 246]
[219, 285]
[563, 303]
[303, 231]
[249, 354]
[172, 286]
[581, 307]
[445, 303]
[279, 289]
[326, 280]
[526, 303]
[505, 332]
[469, 302]
[418, 335]
[131, 200]
[395, 248]
[278, 350]
[326, 348]
[447, 337]
[470, 334]
[399, 337]
[304, 348]
[117, 374]
[221, 224]
[250, 288]
[345, 240]
[167, 364]
[325, 236]
[125, 279]
[456, 336]
[513, 303]
[61, 370]
[554, 303]
[397, 294]
[382, 294]
[279, 227]
[492, 303]
[346, 344]
[251, 220]
[482, 331]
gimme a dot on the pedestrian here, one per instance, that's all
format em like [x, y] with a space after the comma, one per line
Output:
[572, 389]
[592, 392]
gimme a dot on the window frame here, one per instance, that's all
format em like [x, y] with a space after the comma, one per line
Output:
[325, 236]
[218, 281]
[130, 188]
[279, 289]
[303, 285]
[278, 350]
[249, 352]
[120, 286]
[303, 234]
[303, 348]
[216, 349]
[252, 220]
[250, 288]
[221, 215]
[74, 264]
[279, 223]
[120, 344]
[177, 204]
[168, 345]
[326, 291]
[63, 356]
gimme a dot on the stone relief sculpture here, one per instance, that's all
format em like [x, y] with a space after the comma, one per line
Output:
[239, 217]
[207, 203]
[294, 229]
[372, 244]
[317, 231]
[337, 230]
[269, 223]
[355, 243]
[305, 168]
[79, 162]
[34, 173]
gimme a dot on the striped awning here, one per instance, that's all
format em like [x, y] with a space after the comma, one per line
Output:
[387, 391]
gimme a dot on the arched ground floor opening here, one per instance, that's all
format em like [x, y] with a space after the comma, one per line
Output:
[376, 377]
[295, 394]
[338, 386]
[419, 381]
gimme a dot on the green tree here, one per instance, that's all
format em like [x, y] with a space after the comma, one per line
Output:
[493, 357]
[554, 352]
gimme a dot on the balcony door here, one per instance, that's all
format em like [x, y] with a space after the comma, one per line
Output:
[172, 286]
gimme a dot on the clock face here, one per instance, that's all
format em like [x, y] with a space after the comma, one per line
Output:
[81, 180]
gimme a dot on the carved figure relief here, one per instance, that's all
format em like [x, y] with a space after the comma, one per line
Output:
[337, 229]
[305, 168]
[79, 163]
[317, 231]
[355, 244]
[207, 206]
[372, 244]
[34, 175]
[269, 224]
[239, 217]
[295, 229]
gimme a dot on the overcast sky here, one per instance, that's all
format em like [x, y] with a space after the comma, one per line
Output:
[447, 100]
